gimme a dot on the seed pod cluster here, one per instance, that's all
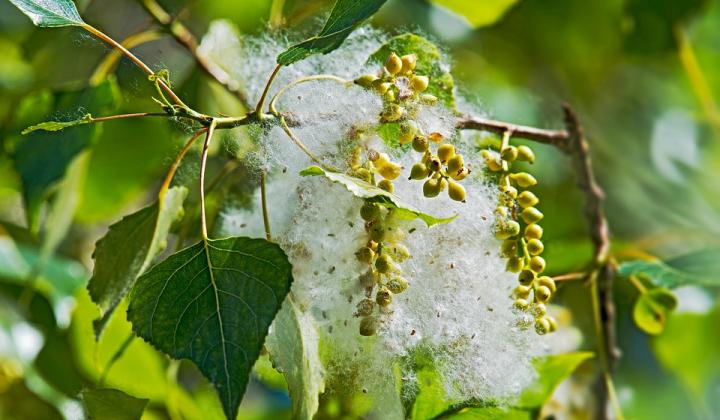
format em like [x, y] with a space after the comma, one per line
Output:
[375, 164]
[517, 225]
[441, 170]
[382, 254]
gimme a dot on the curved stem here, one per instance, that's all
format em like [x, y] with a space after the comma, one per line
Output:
[261, 102]
[274, 99]
[176, 163]
[126, 116]
[108, 64]
[203, 164]
[263, 202]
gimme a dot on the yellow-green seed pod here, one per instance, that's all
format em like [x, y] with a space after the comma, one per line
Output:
[392, 112]
[454, 164]
[364, 174]
[365, 255]
[509, 248]
[384, 264]
[521, 304]
[509, 190]
[377, 233]
[386, 185]
[553, 324]
[397, 251]
[389, 96]
[537, 264]
[434, 164]
[535, 247]
[419, 171]
[431, 188]
[507, 229]
[381, 87]
[457, 193]
[355, 158]
[390, 171]
[542, 326]
[408, 129]
[547, 282]
[524, 179]
[525, 154]
[514, 264]
[384, 297]
[420, 144]
[509, 153]
[539, 310]
[419, 83]
[493, 164]
[365, 307]
[397, 285]
[531, 215]
[369, 279]
[461, 174]
[428, 99]
[445, 152]
[542, 294]
[533, 231]
[369, 211]
[526, 277]
[408, 63]
[379, 159]
[393, 65]
[521, 292]
[443, 184]
[502, 212]
[527, 199]
[369, 326]
[366, 80]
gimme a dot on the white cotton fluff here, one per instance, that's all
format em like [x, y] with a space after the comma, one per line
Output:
[457, 307]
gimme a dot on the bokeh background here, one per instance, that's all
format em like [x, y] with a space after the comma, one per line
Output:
[642, 75]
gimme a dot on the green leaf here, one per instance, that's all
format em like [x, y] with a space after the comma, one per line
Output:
[55, 364]
[57, 125]
[551, 371]
[293, 348]
[112, 404]
[50, 13]
[128, 249]
[41, 158]
[18, 402]
[478, 15]
[362, 189]
[430, 63]
[213, 303]
[490, 413]
[651, 310]
[344, 18]
[699, 268]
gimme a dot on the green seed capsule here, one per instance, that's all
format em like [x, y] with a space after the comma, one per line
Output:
[381, 87]
[535, 247]
[377, 233]
[369, 278]
[368, 326]
[547, 282]
[366, 80]
[553, 324]
[364, 174]
[384, 297]
[365, 255]
[514, 264]
[537, 264]
[526, 277]
[527, 199]
[393, 64]
[369, 211]
[445, 152]
[392, 112]
[461, 174]
[384, 264]
[431, 188]
[533, 231]
[525, 154]
[524, 179]
[521, 304]
[428, 99]
[420, 144]
[531, 215]
[521, 292]
[542, 326]
[457, 193]
[419, 171]
[509, 248]
[492, 161]
[509, 154]
[397, 285]
[365, 307]
[389, 96]
[386, 185]
[542, 294]
[408, 129]
[408, 63]
[355, 158]
[507, 229]
[419, 83]
[539, 310]
[390, 171]
[509, 190]
[454, 164]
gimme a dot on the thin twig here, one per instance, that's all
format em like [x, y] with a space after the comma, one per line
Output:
[553, 137]
[107, 65]
[203, 164]
[263, 203]
[261, 101]
[176, 163]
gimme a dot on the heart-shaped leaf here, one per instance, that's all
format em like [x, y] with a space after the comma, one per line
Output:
[213, 303]
[112, 404]
[50, 13]
[346, 15]
[652, 308]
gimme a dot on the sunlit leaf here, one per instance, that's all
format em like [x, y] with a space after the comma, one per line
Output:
[112, 404]
[344, 18]
[478, 15]
[128, 249]
[58, 125]
[698, 268]
[213, 303]
[50, 13]
[362, 189]
[551, 371]
[652, 308]
[490, 413]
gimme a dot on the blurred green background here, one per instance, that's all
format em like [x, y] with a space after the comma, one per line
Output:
[642, 75]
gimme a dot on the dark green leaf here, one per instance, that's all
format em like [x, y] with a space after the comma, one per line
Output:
[50, 13]
[40, 313]
[698, 268]
[429, 63]
[18, 402]
[362, 189]
[57, 125]
[112, 404]
[651, 310]
[56, 364]
[41, 158]
[128, 249]
[344, 18]
[213, 303]
[478, 16]
[551, 371]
